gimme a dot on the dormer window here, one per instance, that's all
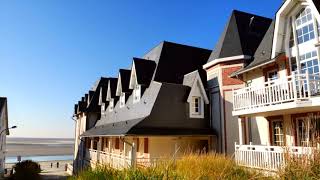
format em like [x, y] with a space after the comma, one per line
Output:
[122, 100]
[196, 105]
[136, 93]
[111, 105]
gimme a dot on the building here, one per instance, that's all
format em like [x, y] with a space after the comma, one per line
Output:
[278, 102]
[159, 108]
[234, 50]
[4, 131]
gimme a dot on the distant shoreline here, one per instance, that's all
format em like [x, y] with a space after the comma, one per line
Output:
[27, 147]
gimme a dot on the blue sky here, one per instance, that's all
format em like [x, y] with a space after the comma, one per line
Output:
[51, 52]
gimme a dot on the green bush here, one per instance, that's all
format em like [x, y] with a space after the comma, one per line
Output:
[26, 170]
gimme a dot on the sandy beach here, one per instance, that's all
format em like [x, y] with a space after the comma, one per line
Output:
[39, 146]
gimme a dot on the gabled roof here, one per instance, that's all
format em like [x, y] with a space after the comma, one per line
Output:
[112, 88]
[124, 74]
[144, 70]
[101, 87]
[175, 60]
[263, 52]
[241, 36]
[194, 80]
[161, 111]
[4, 112]
[317, 4]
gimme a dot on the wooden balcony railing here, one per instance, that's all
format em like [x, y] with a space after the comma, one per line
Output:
[272, 93]
[119, 160]
[270, 158]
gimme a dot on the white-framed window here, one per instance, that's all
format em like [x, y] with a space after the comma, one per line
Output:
[277, 133]
[196, 105]
[111, 105]
[309, 63]
[304, 26]
[136, 93]
[308, 131]
[122, 100]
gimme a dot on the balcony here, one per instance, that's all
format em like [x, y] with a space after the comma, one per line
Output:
[270, 158]
[279, 96]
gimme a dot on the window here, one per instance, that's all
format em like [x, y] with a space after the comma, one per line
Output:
[196, 105]
[304, 26]
[309, 63]
[122, 100]
[308, 129]
[146, 145]
[272, 75]
[277, 133]
[111, 105]
[137, 93]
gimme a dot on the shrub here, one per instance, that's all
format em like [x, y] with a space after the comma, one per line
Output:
[26, 170]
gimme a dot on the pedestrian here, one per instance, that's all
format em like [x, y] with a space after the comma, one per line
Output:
[57, 164]
[51, 165]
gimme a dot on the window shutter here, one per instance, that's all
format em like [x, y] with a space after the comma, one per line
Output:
[146, 145]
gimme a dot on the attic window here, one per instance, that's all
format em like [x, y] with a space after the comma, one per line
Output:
[196, 105]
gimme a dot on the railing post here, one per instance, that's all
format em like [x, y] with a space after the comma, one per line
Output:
[294, 86]
[308, 84]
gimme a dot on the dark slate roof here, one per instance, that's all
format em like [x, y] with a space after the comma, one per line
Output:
[125, 79]
[263, 52]
[189, 78]
[176, 60]
[4, 109]
[90, 96]
[101, 84]
[82, 106]
[113, 86]
[317, 4]
[75, 109]
[154, 115]
[144, 70]
[241, 36]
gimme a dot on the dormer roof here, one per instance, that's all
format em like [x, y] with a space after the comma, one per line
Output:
[101, 87]
[123, 81]
[144, 70]
[241, 36]
[112, 87]
[194, 81]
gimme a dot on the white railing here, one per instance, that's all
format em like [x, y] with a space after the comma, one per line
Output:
[93, 156]
[292, 88]
[118, 160]
[270, 158]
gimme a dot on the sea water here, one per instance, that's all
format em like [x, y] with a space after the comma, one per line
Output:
[13, 159]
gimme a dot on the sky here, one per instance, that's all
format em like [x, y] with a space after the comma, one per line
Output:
[51, 52]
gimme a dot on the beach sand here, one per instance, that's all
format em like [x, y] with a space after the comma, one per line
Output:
[39, 147]
[42, 147]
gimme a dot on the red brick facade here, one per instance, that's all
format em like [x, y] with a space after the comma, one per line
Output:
[226, 80]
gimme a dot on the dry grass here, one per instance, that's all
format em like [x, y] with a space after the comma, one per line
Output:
[189, 167]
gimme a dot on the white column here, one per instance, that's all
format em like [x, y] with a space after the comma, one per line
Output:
[99, 148]
[133, 155]
[240, 131]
